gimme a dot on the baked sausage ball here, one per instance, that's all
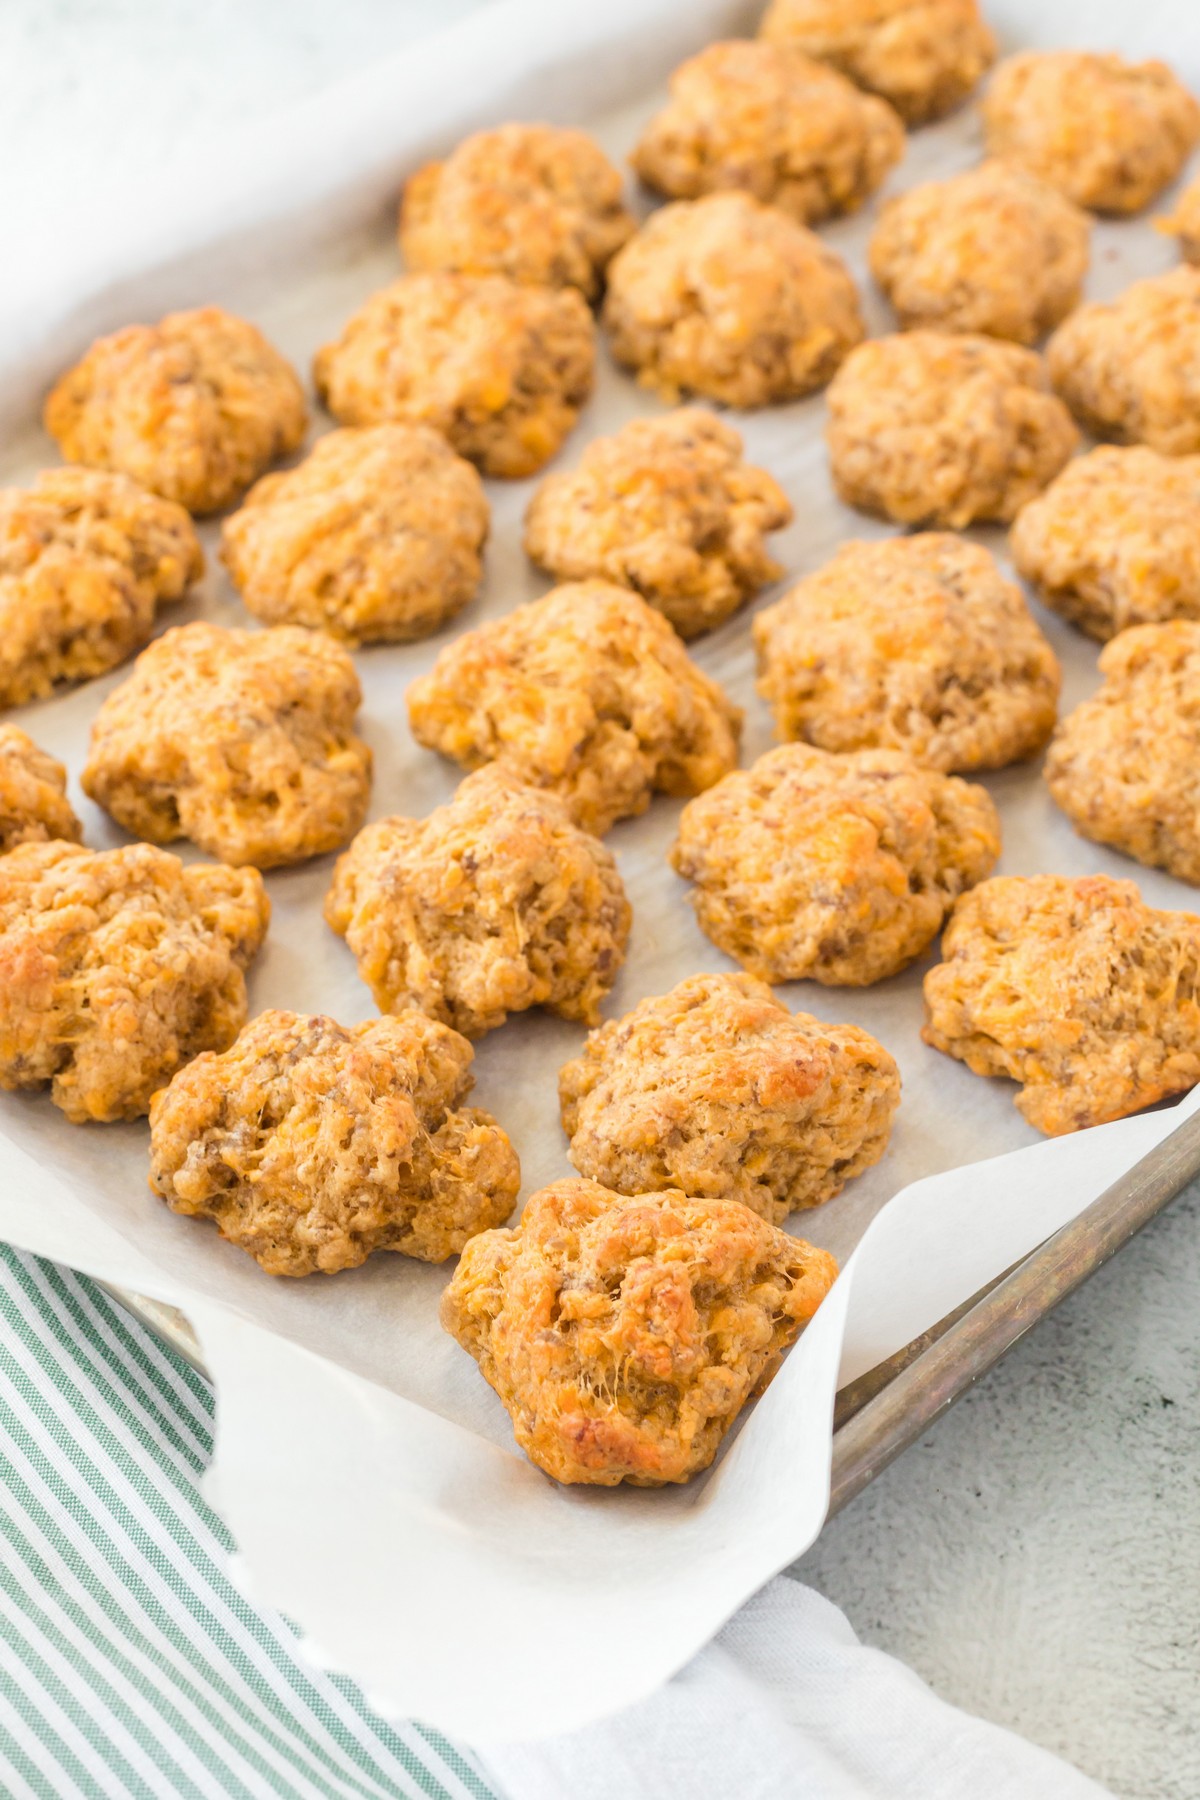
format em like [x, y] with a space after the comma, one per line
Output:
[376, 536]
[837, 869]
[938, 428]
[1109, 134]
[1075, 989]
[924, 56]
[765, 118]
[33, 794]
[1184, 222]
[624, 1336]
[718, 1090]
[724, 297]
[1129, 369]
[666, 507]
[195, 407]
[538, 203]
[587, 691]
[501, 371]
[239, 740]
[1115, 540]
[913, 643]
[1123, 765]
[86, 559]
[313, 1145]
[117, 966]
[993, 250]
[493, 904]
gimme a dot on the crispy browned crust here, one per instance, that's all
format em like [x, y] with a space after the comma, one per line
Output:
[312, 1145]
[666, 507]
[727, 298]
[587, 691]
[86, 558]
[1075, 989]
[493, 904]
[1129, 368]
[239, 740]
[624, 1335]
[116, 967]
[944, 428]
[1184, 222]
[718, 1090]
[33, 794]
[502, 371]
[837, 869]
[925, 56]
[1109, 134]
[195, 407]
[911, 643]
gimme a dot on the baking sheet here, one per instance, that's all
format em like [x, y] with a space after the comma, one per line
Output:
[448, 1521]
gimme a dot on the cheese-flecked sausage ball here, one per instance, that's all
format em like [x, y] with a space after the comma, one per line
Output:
[501, 371]
[117, 966]
[624, 1335]
[837, 869]
[732, 300]
[925, 56]
[1123, 765]
[1115, 540]
[1109, 134]
[86, 559]
[1129, 368]
[993, 250]
[1184, 222]
[312, 1145]
[242, 741]
[538, 203]
[913, 643]
[588, 692]
[944, 428]
[669, 508]
[718, 1090]
[767, 119]
[493, 904]
[375, 537]
[195, 407]
[33, 794]
[1075, 989]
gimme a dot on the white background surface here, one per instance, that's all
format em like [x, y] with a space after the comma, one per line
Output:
[972, 1558]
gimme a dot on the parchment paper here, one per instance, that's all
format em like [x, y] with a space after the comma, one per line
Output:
[367, 1471]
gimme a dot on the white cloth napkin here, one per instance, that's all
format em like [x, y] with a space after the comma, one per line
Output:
[787, 1704]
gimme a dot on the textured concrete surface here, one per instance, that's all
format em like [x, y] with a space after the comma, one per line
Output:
[1037, 1557]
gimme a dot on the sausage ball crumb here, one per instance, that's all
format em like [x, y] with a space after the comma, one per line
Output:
[239, 740]
[1075, 989]
[938, 428]
[493, 904]
[195, 407]
[993, 250]
[1123, 765]
[727, 298]
[1109, 134]
[587, 691]
[666, 507]
[1129, 368]
[33, 794]
[1184, 222]
[537, 203]
[375, 537]
[314, 1145]
[764, 118]
[837, 869]
[913, 643]
[117, 966]
[501, 371]
[624, 1335]
[1115, 540]
[925, 56]
[718, 1090]
[86, 559]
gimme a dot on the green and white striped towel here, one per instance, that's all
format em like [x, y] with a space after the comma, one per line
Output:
[129, 1662]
